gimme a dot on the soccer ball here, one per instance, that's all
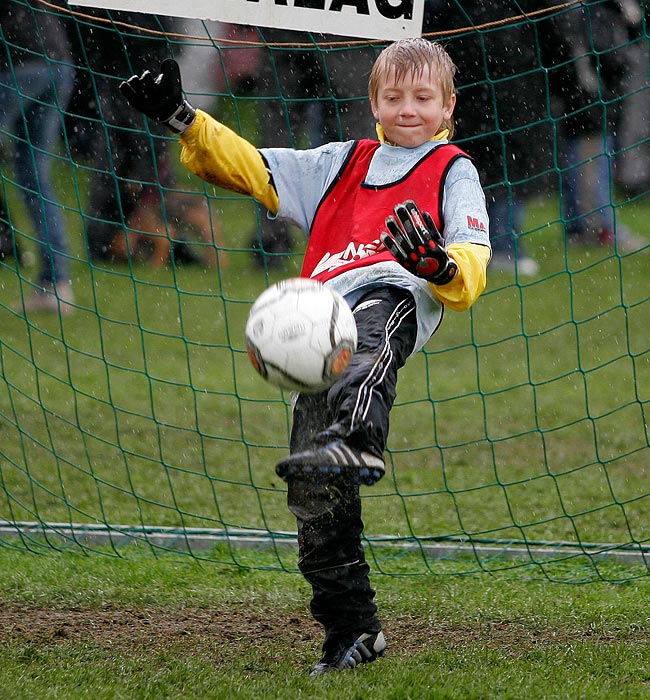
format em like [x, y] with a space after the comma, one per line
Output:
[300, 335]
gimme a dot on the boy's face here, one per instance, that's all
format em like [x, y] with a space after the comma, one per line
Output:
[412, 111]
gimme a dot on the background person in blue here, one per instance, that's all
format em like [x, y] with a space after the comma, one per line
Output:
[397, 268]
[36, 82]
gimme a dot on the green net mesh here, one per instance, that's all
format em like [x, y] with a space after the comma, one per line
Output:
[129, 411]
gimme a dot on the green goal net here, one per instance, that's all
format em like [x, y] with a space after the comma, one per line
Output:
[129, 411]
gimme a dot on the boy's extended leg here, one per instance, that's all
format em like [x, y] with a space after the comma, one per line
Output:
[350, 419]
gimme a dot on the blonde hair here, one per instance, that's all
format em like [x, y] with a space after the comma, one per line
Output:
[411, 57]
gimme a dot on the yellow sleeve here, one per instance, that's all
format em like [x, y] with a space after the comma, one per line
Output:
[468, 285]
[221, 157]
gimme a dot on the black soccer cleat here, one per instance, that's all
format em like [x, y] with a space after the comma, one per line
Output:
[333, 458]
[367, 647]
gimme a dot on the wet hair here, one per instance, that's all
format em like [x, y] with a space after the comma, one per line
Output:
[411, 57]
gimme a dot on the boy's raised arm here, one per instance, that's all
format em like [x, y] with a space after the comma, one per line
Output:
[210, 149]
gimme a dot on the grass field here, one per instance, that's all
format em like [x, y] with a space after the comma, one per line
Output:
[525, 420]
[141, 628]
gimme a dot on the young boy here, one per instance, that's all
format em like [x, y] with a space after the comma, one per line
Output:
[369, 241]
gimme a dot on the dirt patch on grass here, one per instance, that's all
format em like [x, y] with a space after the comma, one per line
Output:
[124, 629]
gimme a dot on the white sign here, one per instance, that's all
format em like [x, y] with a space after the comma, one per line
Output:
[368, 19]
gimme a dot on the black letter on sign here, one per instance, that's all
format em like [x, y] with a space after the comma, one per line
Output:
[404, 9]
[361, 5]
[310, 4]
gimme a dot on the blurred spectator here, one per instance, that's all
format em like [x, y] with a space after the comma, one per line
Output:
[134, 212]
[36, 80]
[502, 123]
[588, 64]
[121, 166]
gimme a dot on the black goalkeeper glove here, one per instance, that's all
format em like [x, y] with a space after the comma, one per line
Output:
[416, 243]
[160, 98]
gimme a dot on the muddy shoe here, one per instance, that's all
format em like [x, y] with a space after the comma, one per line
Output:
[333, 458]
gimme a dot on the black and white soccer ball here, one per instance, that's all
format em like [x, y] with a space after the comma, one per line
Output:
[300, 335]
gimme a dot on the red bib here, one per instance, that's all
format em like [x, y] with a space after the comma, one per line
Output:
[345, 231]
